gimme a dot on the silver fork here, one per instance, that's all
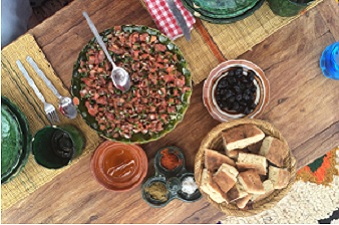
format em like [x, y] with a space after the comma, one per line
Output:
[50, 111]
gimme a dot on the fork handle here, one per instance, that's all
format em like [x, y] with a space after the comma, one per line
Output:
[30, 81]
[43, 77]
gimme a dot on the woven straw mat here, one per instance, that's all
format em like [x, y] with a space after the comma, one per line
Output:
[15, 87]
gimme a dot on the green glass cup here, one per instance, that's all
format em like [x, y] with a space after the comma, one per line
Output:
[54, 147]
[288, 8]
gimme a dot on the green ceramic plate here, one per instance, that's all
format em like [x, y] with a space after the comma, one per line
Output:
[16, 139]
[225, 7]
[223, 14]
[141, 51]
[189, 6]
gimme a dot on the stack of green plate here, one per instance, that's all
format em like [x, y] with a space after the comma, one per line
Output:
[15, 140]
[222, 11]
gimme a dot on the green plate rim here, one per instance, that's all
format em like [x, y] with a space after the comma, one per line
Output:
[19, 145]
[182, 66]
[27, 138]
[248, 13]
[223, 15]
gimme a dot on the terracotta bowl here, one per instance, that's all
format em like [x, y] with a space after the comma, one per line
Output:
[118, 166]
[262, 94]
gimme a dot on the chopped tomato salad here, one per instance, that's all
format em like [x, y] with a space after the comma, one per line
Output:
[160, 90]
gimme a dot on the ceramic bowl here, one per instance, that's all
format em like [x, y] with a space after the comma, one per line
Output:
[118, 166]
[260, 81]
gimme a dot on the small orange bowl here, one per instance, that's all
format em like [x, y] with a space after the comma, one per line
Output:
[260, 81]
[118, 166]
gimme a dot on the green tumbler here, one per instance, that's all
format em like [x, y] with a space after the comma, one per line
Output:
[54, 147]
[288, 8]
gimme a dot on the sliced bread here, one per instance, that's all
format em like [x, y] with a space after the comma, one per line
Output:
[279, 177]
[241, 136]
[252, 161]
[274, 150]
[235, 153]
[214, 159]
[212, 189]
[255, 148]
[269, 188]
[226, 177]
[236, 192]
[251, 182]
[241, 203]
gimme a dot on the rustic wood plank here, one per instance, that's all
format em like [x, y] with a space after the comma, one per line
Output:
[302, 103]
[303, 106]
[69, 36]
[329, 10]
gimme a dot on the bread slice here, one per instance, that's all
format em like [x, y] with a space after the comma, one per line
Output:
[226, 177]
[214, 159]
[240, 137]
[236, 192]
[252, 161]
[274, 150]
[269, 188]
[212, 189]
[279, 177]
[241, 203]
[235, 153]
[255, 148]
[251, 182]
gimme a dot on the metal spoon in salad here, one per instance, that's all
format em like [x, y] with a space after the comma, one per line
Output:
[119, 75]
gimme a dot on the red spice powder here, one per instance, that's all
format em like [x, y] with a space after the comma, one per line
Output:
[170, 160]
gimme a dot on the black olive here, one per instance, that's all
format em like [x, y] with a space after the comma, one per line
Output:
[232, 80]
[231, 73]
[238, 97]
[238, 71]
[243, 103]
[246, 97]
[246, 110]
[235, 106]
[237, 89]
[251, 75]
[231, 99]
[229, 93]
[241, 108]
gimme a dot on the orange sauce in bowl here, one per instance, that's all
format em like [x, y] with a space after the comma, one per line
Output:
[119, 166]
[119, 163]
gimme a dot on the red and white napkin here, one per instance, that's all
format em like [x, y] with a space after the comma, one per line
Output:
[164, 19]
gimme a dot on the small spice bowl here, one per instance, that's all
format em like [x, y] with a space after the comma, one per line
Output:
[155, 192]
[169, 161]
[173, 177]
[236, 89]
[119, 166]
[54, 147]
[187, 192]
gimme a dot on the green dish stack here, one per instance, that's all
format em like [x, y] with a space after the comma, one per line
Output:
[222, 11]
[15, 140]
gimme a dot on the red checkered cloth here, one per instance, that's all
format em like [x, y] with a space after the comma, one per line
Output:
[164, 19]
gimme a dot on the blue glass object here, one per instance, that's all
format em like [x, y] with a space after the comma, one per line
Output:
[329, 61]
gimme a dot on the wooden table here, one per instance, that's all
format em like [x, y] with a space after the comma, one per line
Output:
[290, 59]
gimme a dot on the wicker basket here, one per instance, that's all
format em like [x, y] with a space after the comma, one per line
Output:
[213, 140]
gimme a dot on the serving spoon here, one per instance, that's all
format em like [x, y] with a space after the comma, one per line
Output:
[119, 75]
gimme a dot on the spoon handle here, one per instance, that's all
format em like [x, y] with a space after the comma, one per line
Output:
[98, 37]
[43, 77]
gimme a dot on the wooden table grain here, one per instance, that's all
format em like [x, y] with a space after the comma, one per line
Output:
[304, 106]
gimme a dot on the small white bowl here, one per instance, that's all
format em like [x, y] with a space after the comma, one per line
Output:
[260, 81]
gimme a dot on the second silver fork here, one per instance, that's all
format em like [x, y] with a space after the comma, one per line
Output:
[49, 109]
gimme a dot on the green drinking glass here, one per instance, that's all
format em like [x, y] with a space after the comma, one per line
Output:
[288, 8]
[54, 147]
